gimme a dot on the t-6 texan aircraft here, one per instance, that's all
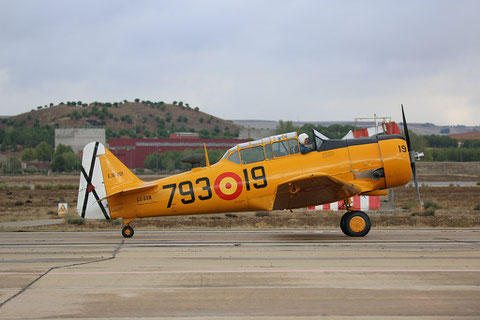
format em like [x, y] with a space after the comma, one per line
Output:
[266, 174]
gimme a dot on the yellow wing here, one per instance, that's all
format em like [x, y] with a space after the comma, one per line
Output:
[312, 189]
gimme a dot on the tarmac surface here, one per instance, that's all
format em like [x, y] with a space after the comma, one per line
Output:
[285, 274]
[32, 223]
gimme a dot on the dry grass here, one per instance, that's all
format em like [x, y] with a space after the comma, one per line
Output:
[450, 207]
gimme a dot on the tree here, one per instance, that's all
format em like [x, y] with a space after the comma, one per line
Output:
[58, 163]
[445, 131]
[286, 126]
[61, 148]
[12, 165]
[171, 160]
[153, 161]
[436, 141]
[28, 154]
[64, 159]
[44, 151]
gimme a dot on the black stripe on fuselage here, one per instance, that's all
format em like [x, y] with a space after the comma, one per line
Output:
[343, 143]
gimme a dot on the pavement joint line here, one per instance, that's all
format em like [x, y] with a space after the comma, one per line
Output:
[41, 275]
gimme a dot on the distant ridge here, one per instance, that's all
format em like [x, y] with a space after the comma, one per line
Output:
[418, 128]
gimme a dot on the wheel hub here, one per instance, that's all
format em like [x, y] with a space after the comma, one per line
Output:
[357, 224]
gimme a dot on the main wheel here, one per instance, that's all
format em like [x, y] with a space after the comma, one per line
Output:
[127, 232]
[355, 224]
[342, 223]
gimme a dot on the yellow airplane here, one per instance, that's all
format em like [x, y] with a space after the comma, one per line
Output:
[266, 174]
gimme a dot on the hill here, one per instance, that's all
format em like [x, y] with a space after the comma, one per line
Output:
[129, 119]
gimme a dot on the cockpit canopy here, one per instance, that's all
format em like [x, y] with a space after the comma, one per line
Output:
[267, 148]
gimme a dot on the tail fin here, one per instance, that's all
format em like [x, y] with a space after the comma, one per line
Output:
[102, 174]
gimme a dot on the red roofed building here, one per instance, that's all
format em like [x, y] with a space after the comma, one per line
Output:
[466, 136]
[133, 152]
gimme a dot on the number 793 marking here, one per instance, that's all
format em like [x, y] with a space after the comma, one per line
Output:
[185, 188]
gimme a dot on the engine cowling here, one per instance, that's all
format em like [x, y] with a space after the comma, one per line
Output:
[396, 160]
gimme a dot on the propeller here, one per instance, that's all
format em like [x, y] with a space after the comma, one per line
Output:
[413, 156]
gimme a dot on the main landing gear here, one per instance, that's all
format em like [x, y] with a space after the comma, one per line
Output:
[355, 223]
[127, 231]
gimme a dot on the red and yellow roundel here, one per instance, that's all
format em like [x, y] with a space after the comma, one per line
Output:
[228, 186]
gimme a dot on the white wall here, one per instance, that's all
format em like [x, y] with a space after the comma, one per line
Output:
[77, 138]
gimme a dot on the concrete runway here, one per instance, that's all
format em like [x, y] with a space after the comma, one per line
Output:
[287, 274]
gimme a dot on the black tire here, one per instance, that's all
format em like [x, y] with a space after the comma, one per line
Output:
[127, 232]
[342, 224]
[356, 224]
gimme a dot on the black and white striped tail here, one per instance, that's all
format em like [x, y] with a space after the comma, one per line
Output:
[92, 186]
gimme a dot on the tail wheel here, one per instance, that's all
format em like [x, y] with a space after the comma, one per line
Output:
[127, 232]
[355, 224]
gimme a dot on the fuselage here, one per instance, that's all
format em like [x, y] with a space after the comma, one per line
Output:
[250, 184]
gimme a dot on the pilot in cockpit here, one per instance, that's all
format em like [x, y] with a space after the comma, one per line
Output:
[303, 139]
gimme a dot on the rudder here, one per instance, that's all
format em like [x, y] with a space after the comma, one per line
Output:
[92, 187]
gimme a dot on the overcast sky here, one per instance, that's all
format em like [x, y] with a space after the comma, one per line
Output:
[278, 60]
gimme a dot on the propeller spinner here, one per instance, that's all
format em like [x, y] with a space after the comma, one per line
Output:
[413, 157]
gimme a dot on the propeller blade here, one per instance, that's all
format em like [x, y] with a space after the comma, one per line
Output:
[412, 157]
[405, 130]
[414, 171]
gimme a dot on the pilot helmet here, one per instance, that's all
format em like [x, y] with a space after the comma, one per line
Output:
[302, 137]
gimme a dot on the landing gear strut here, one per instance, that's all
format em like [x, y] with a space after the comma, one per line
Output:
[127, 231]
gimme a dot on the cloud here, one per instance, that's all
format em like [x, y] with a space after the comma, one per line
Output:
[302, 60]
[4, 79]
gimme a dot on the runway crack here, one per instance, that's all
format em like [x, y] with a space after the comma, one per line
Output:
[113, 256]
[476, 243]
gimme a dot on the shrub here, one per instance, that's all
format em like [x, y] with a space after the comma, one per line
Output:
[477, 207]
[431, 204]
[30, 169]
[429, 212]
[261, 214]
[410, 205]
[12, 165]
[74, 220]
[116, 222]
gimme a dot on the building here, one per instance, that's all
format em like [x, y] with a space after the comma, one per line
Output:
[77, 138]
[133, 152]
[466, 136]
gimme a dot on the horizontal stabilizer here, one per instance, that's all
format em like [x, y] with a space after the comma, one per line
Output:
[131, 190]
